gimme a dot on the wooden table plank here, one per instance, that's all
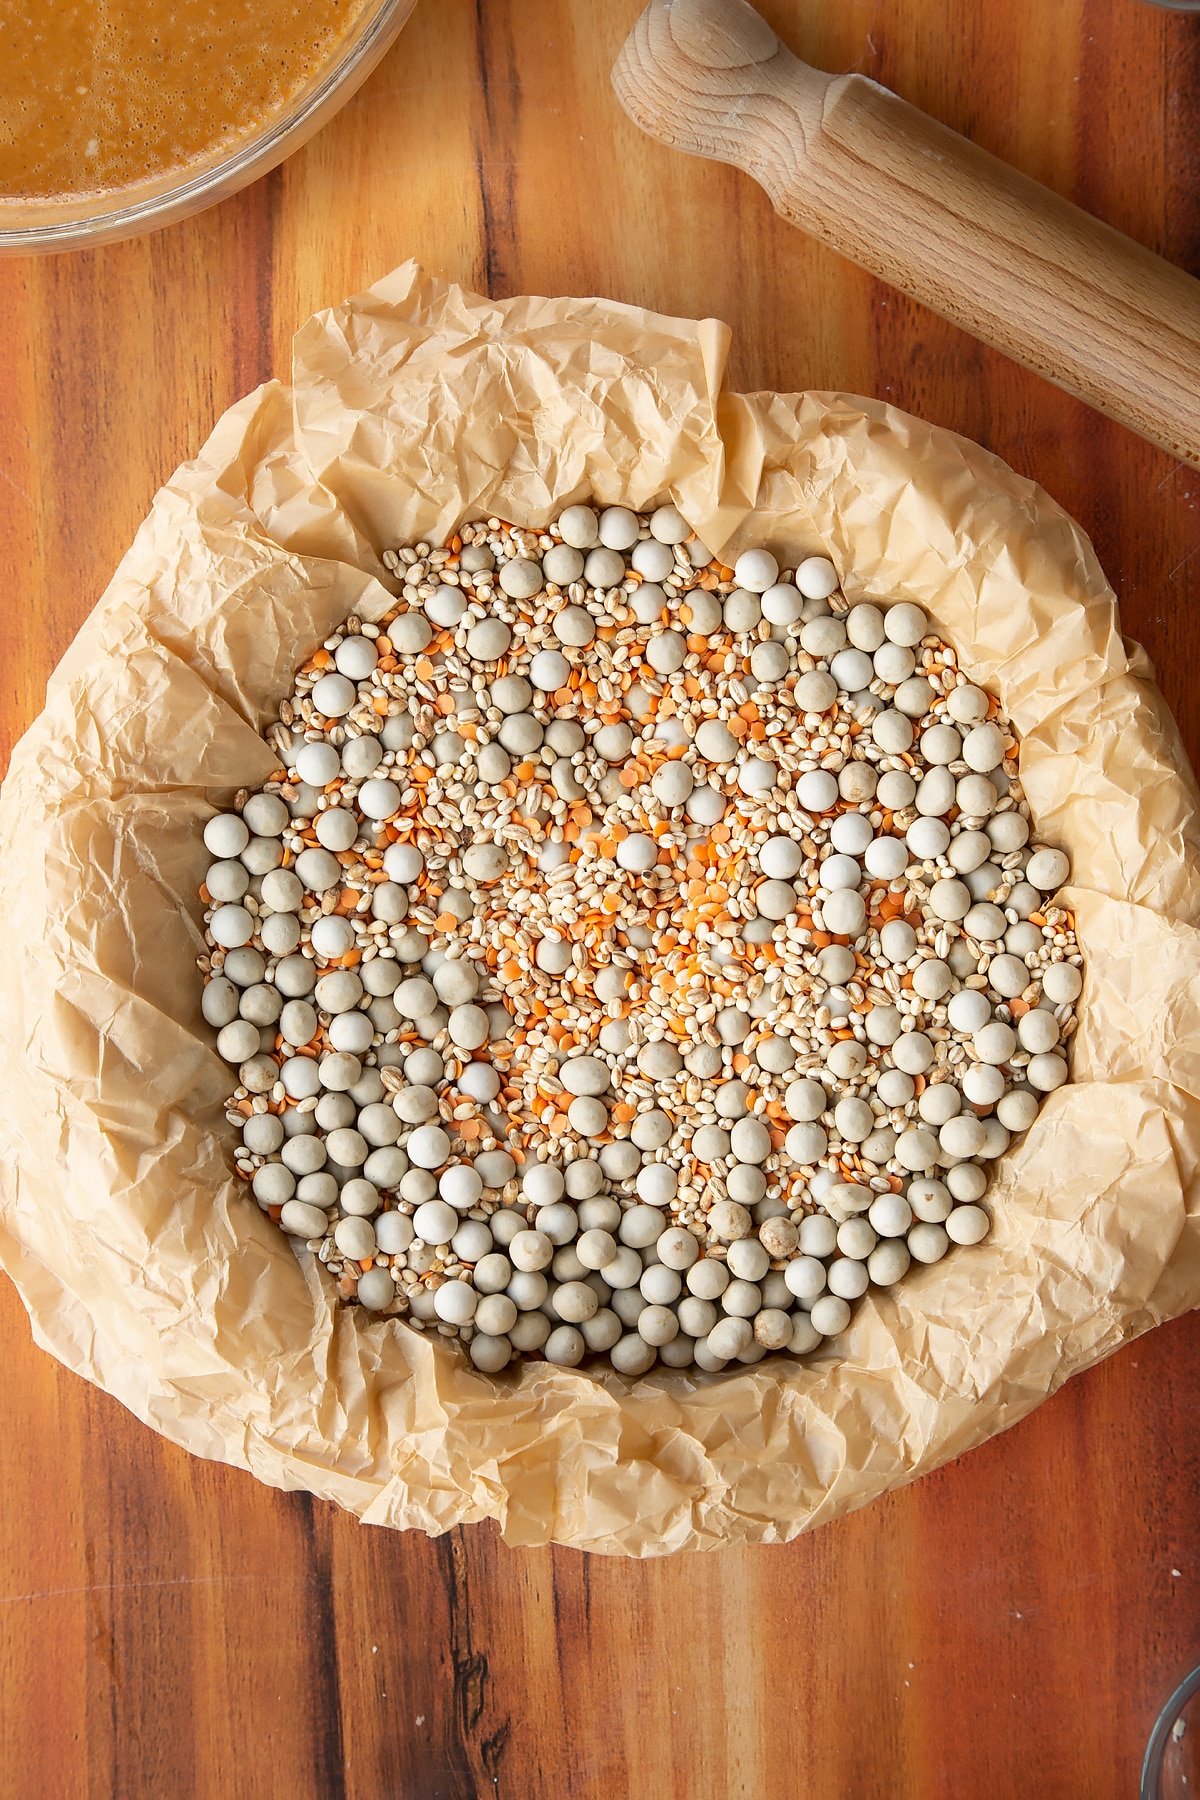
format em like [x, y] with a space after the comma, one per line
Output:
[1004, 1629]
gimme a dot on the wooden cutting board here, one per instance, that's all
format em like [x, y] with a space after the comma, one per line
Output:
[1003, 1630]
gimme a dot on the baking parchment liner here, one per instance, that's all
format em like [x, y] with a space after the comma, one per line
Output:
[148, 1269]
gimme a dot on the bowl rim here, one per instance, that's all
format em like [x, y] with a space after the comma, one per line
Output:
[251, 157]
[1160, 1736]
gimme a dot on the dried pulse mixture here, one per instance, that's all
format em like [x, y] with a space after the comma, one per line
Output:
[632, 955]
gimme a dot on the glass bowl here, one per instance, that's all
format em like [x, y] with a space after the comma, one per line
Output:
[80, 221]
[1171, 1770]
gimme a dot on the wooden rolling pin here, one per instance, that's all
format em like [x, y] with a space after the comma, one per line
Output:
[927, 211]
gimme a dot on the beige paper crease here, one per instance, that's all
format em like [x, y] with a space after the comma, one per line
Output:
[146, 1268]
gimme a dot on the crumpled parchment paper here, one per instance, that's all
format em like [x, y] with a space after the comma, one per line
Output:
[146, 1268]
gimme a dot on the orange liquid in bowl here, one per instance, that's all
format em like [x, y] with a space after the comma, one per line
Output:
[98, 95]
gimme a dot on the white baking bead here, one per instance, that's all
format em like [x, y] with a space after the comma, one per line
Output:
[489, 1354]
[334, 696]
[817, 790]
[549, 669]
[847, 1278]
[995, 1042]
[889, 1262]
[850, 833]
[898, 941]
[317, 764]
[669, 526]
[573, 626]
[940, 744]
[854, 1119]
[756, 571]
[1037, 1031]
[1007, 831]
[968, 850]
[905, 624]
[1045, 1073]
[886, 858]
[837, 872]
[1008, 975]
[927, 1243]
[632, 1355]
[897, 789]
[671, 784]
[966, 1181]
[967, 1225]
[912, 1052]
[894, 663]
[892, 732]
[847, 1059]
[428, 1147]
[968, 1010]
[967, 704]
[578, 527]
[783, 604]
[816, 577]
[302, 1219]
[864, 625]
[982, 1084]
[916, 1148]
[949, 899]
[1017, 1110]
[530, 1250]
[929, 1199]
[844, 913]
[741, 611]
[816, 692]
[962, 1136]
[455, 1302]
[805, 1144]
[231, 926]
[890, 1215]
[355, 1237]
[852, 670]
[520, 578]
[895, 1088]
[914, 697]
[618, 528]
[975, 796]
[829, 1315]
[822, 636]
[1047, 870]
[530, 1331]
[983, 748]
[1061, 983]
[493, 1271]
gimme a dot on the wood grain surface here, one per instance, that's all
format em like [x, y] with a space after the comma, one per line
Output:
[1004, 1630]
